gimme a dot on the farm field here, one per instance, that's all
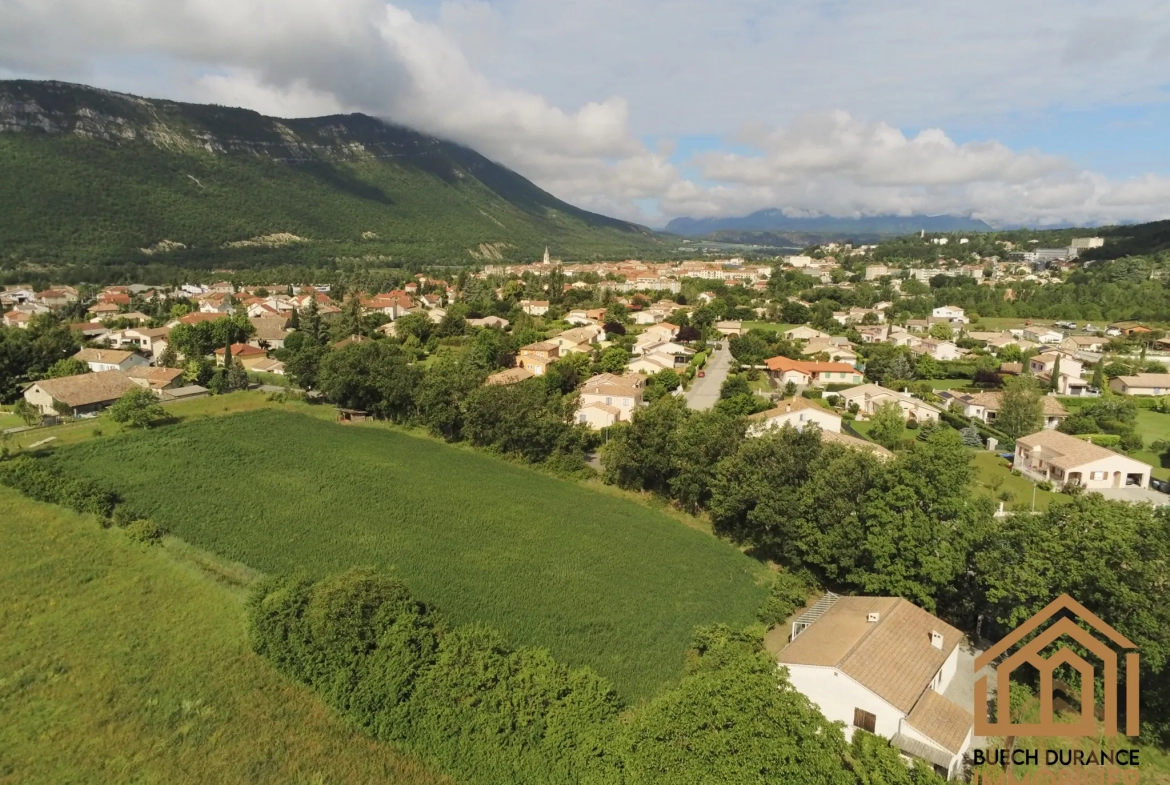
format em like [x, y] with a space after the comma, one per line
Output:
[121, 663]
[598, 580]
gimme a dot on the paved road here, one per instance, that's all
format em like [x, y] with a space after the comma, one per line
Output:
[704, 393]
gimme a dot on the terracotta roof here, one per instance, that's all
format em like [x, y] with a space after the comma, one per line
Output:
[114, 356]
[540, 346]
[942, 720]
[86, 327]
[857, 444]
[803, 366]
[993, 400]
[242, 350]
[159, 377]
[892, 657]
[199, 316]
[615, 411]
[87, 388]
[1064, 451]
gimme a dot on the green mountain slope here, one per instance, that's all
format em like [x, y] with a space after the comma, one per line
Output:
[89, 176]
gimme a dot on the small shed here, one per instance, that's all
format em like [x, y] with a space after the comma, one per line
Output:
[351, 415]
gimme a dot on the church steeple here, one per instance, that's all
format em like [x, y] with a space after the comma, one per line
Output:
[546, 261]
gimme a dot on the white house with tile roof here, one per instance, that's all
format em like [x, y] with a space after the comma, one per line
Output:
[884, 665]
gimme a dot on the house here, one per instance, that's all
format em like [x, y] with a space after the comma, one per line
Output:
[149, 341]
[939, 350]
[510, 376]
[836, 352]
[578, 317]
[269, 366]
[187, 393]
[884, 665]
[870, 397]
[804, 333]
[17, 319]
[728, 329]
[242, 353]
[57, 298]
[1127, 328]
[82, 394]
[155, 378]
[534, 307]
[1062, 459]
[986, 406]
[649, 316]
[1142, 384]
[537, 357]
[489, 321]
[350, 340]
[578, 339]
[270, 332]
[100, 360]
[1070, 381]
[102, 311]
[803, 373]
[1042, 335]
[874, 333]
[91, 331]
[664, 331]
[436, 314]
[952, 313]
[660, 359]
[607, 399]
[1083, 343]
[796, 412]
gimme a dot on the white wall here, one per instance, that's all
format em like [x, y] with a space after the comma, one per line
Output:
[949, 668]
[837, 696]
[826, 419]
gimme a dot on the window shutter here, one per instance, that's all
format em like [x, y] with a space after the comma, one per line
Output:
[864, 720]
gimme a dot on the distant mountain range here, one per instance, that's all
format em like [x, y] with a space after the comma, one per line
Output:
[774, 220]
[89, 176]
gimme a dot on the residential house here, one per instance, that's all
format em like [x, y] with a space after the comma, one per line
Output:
[654, 362]
[578, 317]
[797, 412]
[269, 365]
[952, 313]
[534, 307]
[874, 333]
[57, 298]
[607, 399]
[1042, 335]
[138, 317]
[510, 376]
[17, 319]
[870, 397]
[836, 352]
[537, 357]
[986, 406]
[1142, 384]
[1127, 328]
[489, 321]
[939, 350]
[728, 329]
[155, 378]
[1062, 459]
[649, 316]
[270, 332]
[152, 342]
[664, 331]
[1070, 381]
[100, 360]
[804, 333]
[82, 394]
[884, 665]
[578, 339]
[803, 373]
[102, 311]
[918, 325]
[245, 355]
[436, 314]
[90, 331]
[1083, 343]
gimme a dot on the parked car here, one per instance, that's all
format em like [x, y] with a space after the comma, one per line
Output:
[702, 374]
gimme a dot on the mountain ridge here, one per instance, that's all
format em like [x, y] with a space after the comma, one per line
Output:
[90, 175]
[774, 220]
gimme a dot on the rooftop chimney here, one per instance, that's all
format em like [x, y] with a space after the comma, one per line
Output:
[873, 618]
[936, 640]
[788, 408]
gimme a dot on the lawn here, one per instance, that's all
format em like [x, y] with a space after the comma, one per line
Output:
[598, 580]
[993, 477]
[274, 379]
[1153, 426]
[948, 384]
[863, 427]
[120, 663]
[773, 326]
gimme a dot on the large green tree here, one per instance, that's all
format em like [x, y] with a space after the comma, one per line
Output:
[1021, 410]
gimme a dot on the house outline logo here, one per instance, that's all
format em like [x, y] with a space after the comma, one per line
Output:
[1030, 653]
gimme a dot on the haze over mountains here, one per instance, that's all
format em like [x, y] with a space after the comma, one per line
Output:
[92, 176]
[774, 220]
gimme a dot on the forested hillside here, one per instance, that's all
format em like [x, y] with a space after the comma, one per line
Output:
[88, 176]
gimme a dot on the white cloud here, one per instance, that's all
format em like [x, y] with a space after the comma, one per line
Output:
[562, 92]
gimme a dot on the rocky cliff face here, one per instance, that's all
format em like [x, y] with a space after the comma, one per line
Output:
[60, 108]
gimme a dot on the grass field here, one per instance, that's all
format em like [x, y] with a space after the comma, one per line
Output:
[1153, 426]
[120, 664]
[948, 384]
[993, 476]
[597, 579]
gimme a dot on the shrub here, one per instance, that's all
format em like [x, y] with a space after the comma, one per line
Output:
[1044, 485]
[1130, 441]
[45, 483]
[1101, 439]
[789, 592]
[912, 425]
[144, 531]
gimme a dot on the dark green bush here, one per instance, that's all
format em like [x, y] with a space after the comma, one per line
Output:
[41, 481]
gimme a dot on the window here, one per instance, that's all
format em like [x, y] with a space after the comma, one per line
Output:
[864, 720]
[581, 418]
[608, 401]
[802, 418]
[1098, 475]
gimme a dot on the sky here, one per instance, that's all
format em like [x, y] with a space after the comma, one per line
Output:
[1031, 112]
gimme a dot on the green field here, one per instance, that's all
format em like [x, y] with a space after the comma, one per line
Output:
[597, 579]
[121, 663]
[993, 476]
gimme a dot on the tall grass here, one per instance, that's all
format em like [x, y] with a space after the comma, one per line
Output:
[598, 580]
[121, 663]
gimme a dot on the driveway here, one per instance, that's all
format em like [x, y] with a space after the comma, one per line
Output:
[704, 393]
